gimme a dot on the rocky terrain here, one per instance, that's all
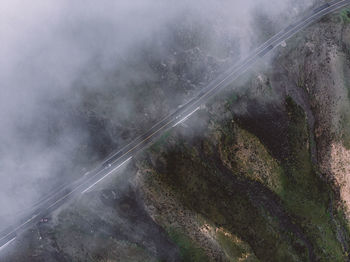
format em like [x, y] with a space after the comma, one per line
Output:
[260, 173]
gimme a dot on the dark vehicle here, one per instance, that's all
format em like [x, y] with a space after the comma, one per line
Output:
[107, 165]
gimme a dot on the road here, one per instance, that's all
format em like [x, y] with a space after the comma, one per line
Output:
[121, 157]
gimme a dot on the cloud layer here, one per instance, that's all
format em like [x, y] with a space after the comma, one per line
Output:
[50, 49]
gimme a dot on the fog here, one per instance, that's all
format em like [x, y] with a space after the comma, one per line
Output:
[69, 68]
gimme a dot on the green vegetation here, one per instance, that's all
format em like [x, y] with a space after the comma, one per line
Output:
[301, 78]
[305, 194]
[341, 217]
[344, 112]
[205, 186]
[156, 146]
[242, 150]
[235, 250]
[232, 99]
[190, 251]
[231, 249]
[345, 129]
[345, 15]
[282, 216]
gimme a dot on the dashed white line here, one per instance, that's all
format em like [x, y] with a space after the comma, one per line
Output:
[7, 243]
[71, 192]
[30, 219]
[110, 172]
[185, 118]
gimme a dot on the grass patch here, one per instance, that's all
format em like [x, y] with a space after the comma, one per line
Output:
[225, 202]
[345, 129]
[305, 194]
[232, 99]
[231, 248]
[345, 15]
[235, 249]
[242, 151]
[189, 250]
[235, 202]
[161, 141]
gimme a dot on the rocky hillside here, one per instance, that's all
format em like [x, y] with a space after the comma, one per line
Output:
[261, 173]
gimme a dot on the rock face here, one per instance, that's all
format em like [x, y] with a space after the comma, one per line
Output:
[323, 73]
[259, 174]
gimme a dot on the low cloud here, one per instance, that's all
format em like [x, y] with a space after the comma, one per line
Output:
[67, 65]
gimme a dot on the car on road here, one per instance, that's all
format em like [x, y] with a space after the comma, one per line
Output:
[44, 220]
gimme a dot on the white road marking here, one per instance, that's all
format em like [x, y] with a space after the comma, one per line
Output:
[185, 118]
[30, 219]
[110, 172]
[75, 189]
[7, 243]
[19, 226]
